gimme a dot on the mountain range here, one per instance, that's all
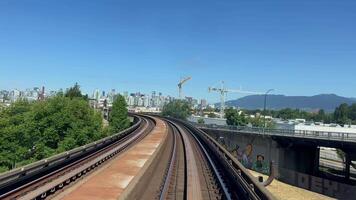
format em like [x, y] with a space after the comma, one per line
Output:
[328, 102]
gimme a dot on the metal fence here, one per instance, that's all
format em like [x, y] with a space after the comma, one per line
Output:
[284, 132]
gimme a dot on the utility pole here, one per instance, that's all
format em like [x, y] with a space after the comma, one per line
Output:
[264, 107]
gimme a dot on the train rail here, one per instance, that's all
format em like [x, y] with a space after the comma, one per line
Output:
[208, 172]
[200, 178]
[188, 165]
[47, 177]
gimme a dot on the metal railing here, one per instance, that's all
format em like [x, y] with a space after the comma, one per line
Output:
[284, 132]
[247, 185]
[33, 168]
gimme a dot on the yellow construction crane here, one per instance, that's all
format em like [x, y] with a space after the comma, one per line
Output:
[223, 91]
[180, 85]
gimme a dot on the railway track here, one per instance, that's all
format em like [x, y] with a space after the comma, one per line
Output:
[190, 165]
[194, 172]
[198, 178]
[49, 177]
[189, 168]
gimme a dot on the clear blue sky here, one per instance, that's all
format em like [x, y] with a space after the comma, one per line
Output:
[302, 47]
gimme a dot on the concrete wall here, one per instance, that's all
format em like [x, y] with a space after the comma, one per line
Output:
[316, 184]
[254, 152]
[295, 163]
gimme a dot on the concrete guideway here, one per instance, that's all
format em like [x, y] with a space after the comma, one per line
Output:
[117, 178]
[181, 170]
[193, 186]
[207, 173]
[163, 158]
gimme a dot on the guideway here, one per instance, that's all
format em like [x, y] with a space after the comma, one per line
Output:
[114, 180]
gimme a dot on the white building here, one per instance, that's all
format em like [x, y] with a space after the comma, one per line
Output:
[207, 120]
[301, 125]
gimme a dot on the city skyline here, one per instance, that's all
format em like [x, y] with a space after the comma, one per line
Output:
[133, 99]
[91, 94]
[203, 99]
[147, 47]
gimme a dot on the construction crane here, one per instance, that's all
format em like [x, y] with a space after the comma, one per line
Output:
[223, 91]
[41, 94]
[180, 85]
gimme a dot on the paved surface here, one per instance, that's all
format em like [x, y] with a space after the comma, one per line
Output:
[284, 191]
[110, 182]
[193, 183]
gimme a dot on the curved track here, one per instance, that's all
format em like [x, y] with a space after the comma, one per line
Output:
[48, 182]
[195, 172]
[199, 179]
[188, 166]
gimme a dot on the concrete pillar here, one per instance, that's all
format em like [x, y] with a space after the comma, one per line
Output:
[303, 159]
[316, 161]
[347, 166]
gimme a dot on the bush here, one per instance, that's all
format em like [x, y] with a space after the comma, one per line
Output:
[33, 131]
[177, 109]
[201, 121]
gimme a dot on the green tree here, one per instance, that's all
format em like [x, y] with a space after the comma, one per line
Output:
[321, 116]
[36, 130]
[118, 119]
[212, 115]
[352, 112]
[201, 121]
[256, 121]
[74, 91]
[234, 118]
[179, 109]
[341, 114]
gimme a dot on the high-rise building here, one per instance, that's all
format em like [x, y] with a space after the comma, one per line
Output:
[130, 101]
[203, 103]
[96, 95]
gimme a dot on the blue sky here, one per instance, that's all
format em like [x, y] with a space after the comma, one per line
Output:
[297, 47]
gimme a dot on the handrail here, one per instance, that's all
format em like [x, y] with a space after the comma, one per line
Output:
[342, 136]
[242, 175]
[39, 165]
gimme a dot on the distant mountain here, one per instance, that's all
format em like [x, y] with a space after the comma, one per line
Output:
[328, 102]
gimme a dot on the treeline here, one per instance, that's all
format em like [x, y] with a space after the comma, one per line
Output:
[179, 109]
[239, 118]
[343, 114]
[31, 131]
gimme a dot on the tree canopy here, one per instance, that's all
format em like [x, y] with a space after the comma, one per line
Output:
[74, 91]
[179, 109]
[31, 131]
[118, 120]
[201, 121]
[234, 118]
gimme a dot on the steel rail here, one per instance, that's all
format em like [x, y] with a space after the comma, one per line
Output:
[192, 183]
[72, 171]
[179, 130]
[32, 168]
[247, 185]
[217, 173]
[164, 192]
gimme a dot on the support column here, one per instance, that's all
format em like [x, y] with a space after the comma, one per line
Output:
[316, 161]
[347, 166]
